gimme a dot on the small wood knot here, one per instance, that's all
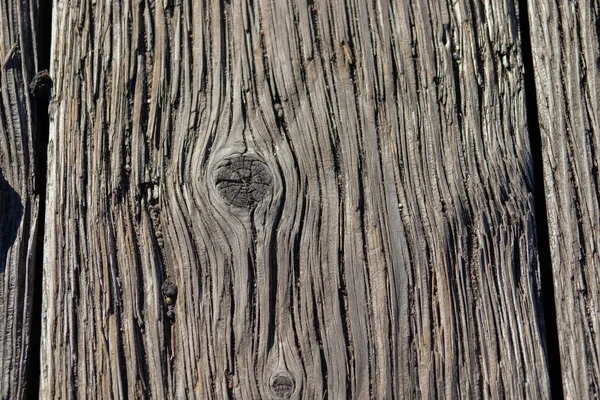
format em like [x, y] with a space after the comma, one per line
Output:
[40, 85]
[282, 386]
[243, 181]
[278, 110]
[171, 315]
[169, 289]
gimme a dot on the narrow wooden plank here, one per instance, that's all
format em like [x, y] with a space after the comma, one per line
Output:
[18, 202]
[566, 54]
[290, 199]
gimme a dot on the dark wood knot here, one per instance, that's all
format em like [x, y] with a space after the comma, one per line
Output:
[282, 386]
[169, 289]
[40, 85]
[243, 181]
[169, 292]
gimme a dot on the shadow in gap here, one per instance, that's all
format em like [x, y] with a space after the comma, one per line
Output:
[11, 212]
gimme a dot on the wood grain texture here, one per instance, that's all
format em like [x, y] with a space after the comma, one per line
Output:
[340, 191]
[18, 202]
[566, 54]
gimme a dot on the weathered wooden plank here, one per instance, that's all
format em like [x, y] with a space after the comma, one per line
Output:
[566, 54]
[340, 192]
[18, 201]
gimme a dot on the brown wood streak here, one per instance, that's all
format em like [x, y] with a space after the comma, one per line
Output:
[18, 204]
[565, 45]
[394, 254]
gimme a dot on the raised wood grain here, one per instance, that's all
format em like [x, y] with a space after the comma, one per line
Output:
[566, 54]
[339, 191]
[18, 201]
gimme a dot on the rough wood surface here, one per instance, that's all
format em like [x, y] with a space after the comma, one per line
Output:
[339, 191]
[18, 204]
[566, 51]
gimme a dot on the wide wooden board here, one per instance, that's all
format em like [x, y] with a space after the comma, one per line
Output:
[18, 201]
[340, 191]
[566, 57]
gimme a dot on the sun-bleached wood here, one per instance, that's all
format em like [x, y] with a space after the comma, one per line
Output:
[337, 193]
[566, 55]
[18, 201]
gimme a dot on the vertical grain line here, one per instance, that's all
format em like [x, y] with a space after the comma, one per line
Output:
[541, 218]
[40, 149]
[371, 352]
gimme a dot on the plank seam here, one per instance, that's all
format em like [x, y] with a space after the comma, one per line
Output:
[541, 217]
[40, 148]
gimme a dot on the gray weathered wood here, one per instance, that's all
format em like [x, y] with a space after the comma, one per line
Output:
[566, 57]
[18, 204]
[340, 190]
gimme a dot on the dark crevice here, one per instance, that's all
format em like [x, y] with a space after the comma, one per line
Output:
[40, 145]
[541, 219]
